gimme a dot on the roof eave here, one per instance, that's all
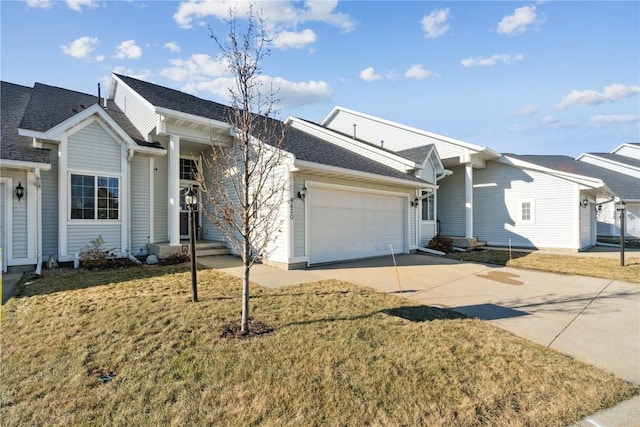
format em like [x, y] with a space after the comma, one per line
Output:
[581, 179]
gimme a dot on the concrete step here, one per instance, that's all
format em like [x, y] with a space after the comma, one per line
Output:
[203, 245]
[212, 252]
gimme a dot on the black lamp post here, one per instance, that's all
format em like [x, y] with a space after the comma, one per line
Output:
[620, 207]
[191, 200]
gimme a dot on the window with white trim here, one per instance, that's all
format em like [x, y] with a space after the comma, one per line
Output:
[527, 211]
[188, 169]
[95, 197]
[428, 205]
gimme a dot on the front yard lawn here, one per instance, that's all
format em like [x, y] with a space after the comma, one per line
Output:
[606, 268]
[339, 355]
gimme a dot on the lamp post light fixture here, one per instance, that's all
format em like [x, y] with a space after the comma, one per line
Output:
[19, 191]
[620, 207]
[191, 200]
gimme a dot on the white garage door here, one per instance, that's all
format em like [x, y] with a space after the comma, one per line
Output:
[348, 224]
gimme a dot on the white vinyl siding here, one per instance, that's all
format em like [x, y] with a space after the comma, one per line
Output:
[395, 136]
[19, 242]
[140, 199]
[49, 191]
[139, 112]
[498, 195]
[160, 199]
[632, 151]
[613, 165]
[450, 206]
[298, 220]
[80, 236]
[94, 149]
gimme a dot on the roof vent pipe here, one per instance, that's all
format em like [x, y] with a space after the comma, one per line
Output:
[99, 97]
[354, 130]
[382, 143]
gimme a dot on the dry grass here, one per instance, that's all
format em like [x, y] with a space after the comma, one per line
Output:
[339, 355]
[606, 268]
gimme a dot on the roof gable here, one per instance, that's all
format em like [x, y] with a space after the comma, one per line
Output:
[171, 99]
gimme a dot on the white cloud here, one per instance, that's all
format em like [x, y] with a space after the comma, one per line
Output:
[369, 75]
[435, 24]
[293, 39]
[99, 58]
[518, 22]
[139, 74]
[172, 46]
[417, 71]
[197, 67]
[491, 61]
[80, 48]
[77, 5]
[610, 93]
[39, 4]
[549, 120]
[291, 94]
[128, 49]
[277, 13]
[527, 110]
[606, 119]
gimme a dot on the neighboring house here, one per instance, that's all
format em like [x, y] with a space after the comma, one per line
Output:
[118, 168]
[620, 170]
[490, 197]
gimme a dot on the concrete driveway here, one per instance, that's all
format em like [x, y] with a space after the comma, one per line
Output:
[594, 320]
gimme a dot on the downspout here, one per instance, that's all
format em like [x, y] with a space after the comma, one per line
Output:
[38, 223]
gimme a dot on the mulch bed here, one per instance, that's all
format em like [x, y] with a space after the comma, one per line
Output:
[257, 329]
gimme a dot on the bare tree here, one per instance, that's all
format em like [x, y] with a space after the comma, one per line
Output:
[243, 183]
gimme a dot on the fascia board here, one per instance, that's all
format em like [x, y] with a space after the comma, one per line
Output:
[133, 92]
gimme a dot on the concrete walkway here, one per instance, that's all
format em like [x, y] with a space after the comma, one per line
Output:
[593, 320]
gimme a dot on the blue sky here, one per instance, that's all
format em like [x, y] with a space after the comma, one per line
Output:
[545, 77]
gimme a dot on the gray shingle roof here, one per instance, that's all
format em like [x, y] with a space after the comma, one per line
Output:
[313, 149]
[417, 154]
[302, 145]
[172, 99]
[50, 106]
[623, 186]
[618, 158]
[14, 100]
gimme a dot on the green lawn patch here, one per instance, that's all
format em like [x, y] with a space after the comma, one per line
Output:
[128, 347]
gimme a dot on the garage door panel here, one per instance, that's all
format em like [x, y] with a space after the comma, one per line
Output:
[346, 224]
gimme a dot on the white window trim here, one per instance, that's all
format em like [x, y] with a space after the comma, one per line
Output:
[96, 220]
[428, 221]
[532, 211]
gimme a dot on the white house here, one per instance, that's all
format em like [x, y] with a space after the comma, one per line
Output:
[118, 167]
[495, 198]
[76, 166]
[620, 169]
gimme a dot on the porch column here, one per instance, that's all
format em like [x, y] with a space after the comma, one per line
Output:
[173, 190]
[468, 199]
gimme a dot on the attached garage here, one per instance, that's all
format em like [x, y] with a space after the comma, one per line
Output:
[347, 223]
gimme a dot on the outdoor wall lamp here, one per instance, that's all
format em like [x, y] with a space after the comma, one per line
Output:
[302, 193]
[19, 191]
[190, 198]
[415, 202]
[620, 207]
[584, 202]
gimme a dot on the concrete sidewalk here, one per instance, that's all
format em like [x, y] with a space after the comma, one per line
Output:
[593, 320]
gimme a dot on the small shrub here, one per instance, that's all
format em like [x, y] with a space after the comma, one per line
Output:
[442, 244]
[93, 255]
[175, 259]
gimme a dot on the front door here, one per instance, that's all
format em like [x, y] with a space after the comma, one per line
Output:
[184, 213]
